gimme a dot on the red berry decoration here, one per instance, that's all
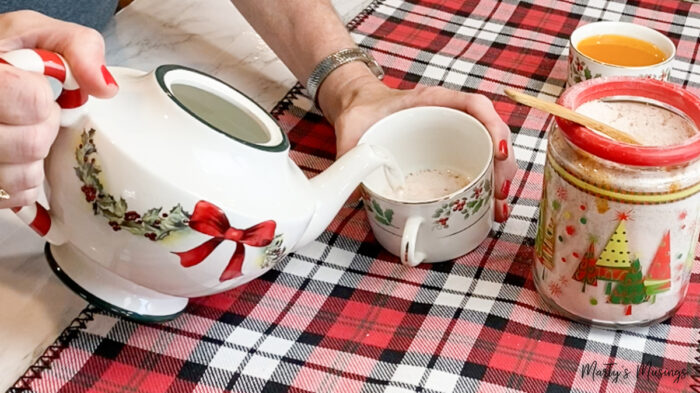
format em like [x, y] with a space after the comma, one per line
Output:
[90, 192]
[131, 216]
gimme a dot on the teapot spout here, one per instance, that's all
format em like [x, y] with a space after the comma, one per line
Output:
[333, 186]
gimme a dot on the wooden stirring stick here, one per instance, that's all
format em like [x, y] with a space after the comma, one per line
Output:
[568, 114]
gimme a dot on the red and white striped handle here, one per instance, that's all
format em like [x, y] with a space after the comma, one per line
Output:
[52, 65]
[70, 100]
[39, 219]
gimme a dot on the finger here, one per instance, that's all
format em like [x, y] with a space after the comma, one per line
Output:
[28, 143]
[82, 47]
[504, 172]
[482, 109]
[502, 210]
[26, 97]
[22, 198]
[15, 178]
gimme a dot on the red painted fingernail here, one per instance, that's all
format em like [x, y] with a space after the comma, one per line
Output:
[109, 79]
[503, 148]
[505, 211]
[506, 187]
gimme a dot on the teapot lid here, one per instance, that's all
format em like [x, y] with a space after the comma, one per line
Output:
[221, 107]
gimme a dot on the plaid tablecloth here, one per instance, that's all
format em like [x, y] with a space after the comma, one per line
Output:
[343, 315]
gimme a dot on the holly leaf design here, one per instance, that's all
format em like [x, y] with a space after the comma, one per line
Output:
[478, 205]
[152, 224]
[389, 215]
[151, 216]
[377, 208]
[109, 207]
[587, 73]
[383, 216]
[381, 220]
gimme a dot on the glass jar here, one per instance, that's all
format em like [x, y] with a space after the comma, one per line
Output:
[618, 223]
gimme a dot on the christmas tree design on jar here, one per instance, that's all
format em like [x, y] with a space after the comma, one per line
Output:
[617, 225]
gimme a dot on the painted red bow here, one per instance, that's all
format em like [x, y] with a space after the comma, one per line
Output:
[211, 220]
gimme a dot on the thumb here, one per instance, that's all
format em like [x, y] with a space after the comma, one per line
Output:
[82, 47]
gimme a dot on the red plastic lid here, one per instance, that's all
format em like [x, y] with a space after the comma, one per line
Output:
[623, 153]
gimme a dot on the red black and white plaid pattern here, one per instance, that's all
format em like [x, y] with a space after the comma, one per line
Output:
[342, 315]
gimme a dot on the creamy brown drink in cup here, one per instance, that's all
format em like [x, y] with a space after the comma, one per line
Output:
[429, 184]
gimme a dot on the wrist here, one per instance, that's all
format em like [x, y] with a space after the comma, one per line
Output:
[342, 87]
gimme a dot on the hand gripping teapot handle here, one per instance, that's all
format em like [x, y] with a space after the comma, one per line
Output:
[51, 64]
[71, 101]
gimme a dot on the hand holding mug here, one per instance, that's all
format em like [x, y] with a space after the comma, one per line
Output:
[366, 101]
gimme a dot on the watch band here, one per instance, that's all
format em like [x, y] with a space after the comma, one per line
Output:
[335, 60]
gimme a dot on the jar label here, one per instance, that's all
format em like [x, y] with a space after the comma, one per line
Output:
[612, 194]
[613, 257]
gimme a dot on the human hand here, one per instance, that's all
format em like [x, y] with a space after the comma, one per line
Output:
[29, 117]
[365, 100]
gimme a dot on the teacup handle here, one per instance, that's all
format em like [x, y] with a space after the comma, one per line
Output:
[409, 256]
[71, 101]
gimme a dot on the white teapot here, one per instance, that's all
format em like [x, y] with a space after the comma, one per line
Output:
[178, 187]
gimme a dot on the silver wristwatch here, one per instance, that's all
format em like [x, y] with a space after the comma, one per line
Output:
[335, 60]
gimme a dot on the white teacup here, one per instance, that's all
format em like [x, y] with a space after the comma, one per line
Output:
[441, 228]
[582, 67]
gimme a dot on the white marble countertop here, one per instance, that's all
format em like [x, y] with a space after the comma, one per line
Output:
[211, 36]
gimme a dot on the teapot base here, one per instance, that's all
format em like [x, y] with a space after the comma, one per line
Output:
[109, 291]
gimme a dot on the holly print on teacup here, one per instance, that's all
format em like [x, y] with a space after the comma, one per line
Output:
[467, 206]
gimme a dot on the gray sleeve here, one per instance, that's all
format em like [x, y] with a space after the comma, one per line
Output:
[91, 13]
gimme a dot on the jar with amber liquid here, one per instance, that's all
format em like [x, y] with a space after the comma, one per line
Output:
[618, 222]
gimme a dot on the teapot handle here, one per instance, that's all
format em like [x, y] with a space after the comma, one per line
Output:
[51, 64]
[71, 100]
[39, 219]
